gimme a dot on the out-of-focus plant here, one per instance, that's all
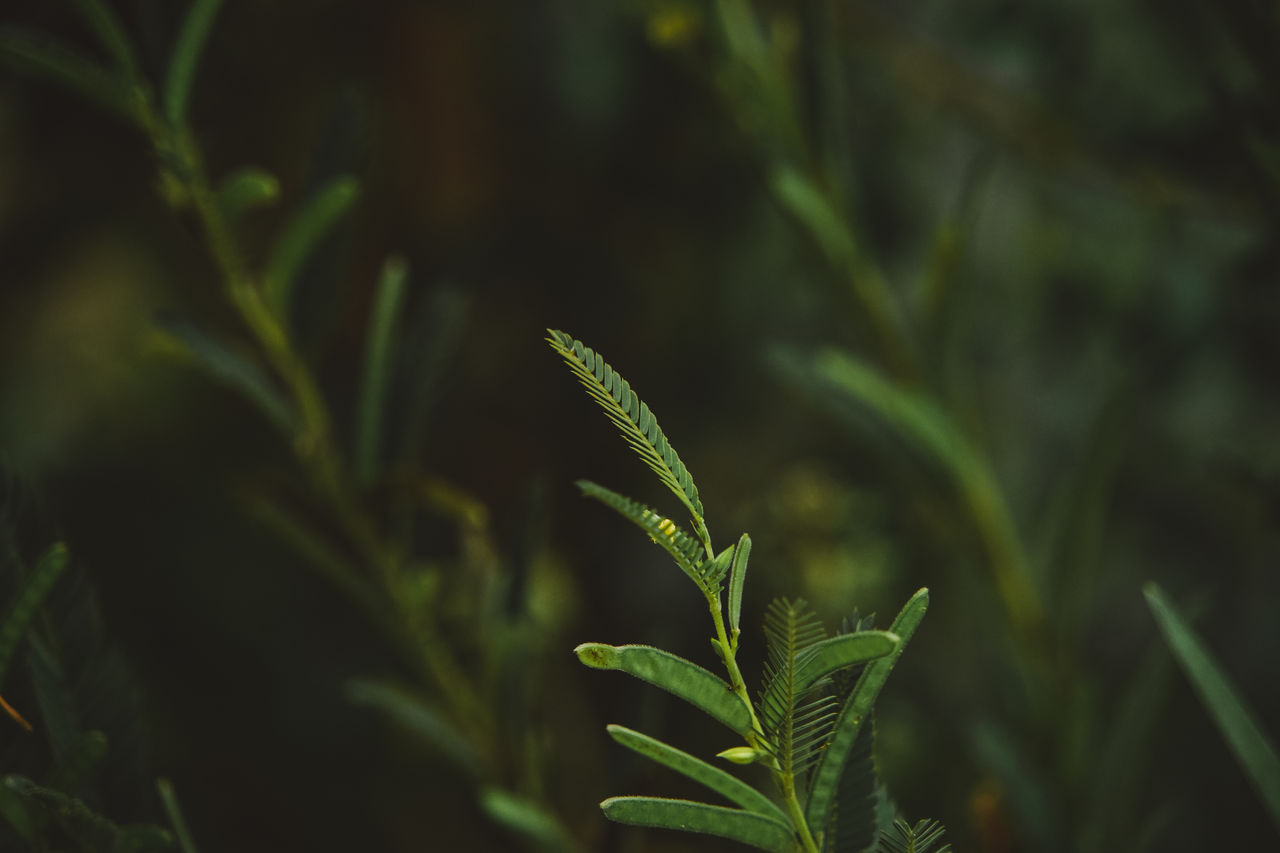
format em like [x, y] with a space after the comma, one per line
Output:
[57, 768]
[465, 633]
[782, 73]
[811, 724]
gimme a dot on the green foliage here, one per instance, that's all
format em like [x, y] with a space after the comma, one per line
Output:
[633, 417]
[802, 722]
[1232, 715]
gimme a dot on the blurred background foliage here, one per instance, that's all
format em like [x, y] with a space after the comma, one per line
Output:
[977, 296]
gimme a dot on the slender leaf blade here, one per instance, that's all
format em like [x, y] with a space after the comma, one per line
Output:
[826, 775]
[528, 819]
[1228, 708]
[110, 33]
[232, 369]
[186, 56]
[169, 797]
[737, 577]
[827, 656]
[301, 236]
[675, 675]
[747, 827]
[725, 784]
[418, 717]
[381, 341]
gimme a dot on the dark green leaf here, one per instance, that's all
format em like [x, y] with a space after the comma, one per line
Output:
[730, 787]
[31, 595]
[747, 827]
[674, 674]
[381, 340]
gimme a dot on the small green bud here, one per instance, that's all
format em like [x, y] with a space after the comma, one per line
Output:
[740, 754]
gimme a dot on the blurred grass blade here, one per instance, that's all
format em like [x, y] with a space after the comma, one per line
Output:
[309, 225]
[381, 341]
[728, 786]
[1224, 703]
[35, 588]
[676, 675]
[245, 189]
[527, 819]
[231, 369]
[747, 827]
[825, 779]
[169, 798]
[186, 56]
[41, 56]
[737, 577]
[110, 33]
[805, 202]
[418, 717]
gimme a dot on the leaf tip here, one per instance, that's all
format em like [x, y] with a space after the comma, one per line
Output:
[597, 655]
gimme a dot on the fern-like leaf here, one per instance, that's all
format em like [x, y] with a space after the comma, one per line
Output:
[906, 838]
[633, 417]
[683, 548]
[797, 718]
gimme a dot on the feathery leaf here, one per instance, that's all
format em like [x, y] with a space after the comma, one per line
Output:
[796, 714]
[683, 548]
[913, 839]
[633, 417]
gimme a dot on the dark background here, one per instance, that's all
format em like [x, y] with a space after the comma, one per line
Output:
[1101, 180]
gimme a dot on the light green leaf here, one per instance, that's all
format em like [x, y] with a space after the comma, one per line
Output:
[676, 675]
[169, 797]
[245, 189]
[303, 233]
[633, 417]
[798, 194]
[35, 588]
[381, 340]
[737, 577]
[826, 775]
[712, 571]
[1237, 723]
[728, 786]
[747, 827]
[186, 55]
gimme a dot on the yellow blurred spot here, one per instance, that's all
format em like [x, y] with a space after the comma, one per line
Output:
[673, 25]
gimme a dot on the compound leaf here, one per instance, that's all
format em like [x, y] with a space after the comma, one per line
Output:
[633, 417]
[683, 548]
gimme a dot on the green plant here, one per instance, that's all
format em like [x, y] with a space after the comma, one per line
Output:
[1238, 724]
[810, 723]
[465, 641]
[63, 804]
